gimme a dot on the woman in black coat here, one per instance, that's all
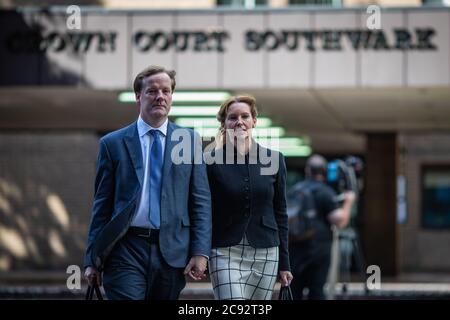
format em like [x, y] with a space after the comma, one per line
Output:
[248, 183]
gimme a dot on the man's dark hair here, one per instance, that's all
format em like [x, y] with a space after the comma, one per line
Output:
[316, 165]
[147, 72]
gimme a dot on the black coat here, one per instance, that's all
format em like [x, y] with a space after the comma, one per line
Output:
[246, 201]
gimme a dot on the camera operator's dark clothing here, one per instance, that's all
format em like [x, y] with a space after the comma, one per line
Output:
[310, 270]
[310, 259]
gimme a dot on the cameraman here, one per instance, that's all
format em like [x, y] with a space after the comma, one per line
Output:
[310, 259]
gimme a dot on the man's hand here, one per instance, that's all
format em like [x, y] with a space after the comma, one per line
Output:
[93, 276]
[341, 216]
[196, 268]
[286, 278]
[349, 197]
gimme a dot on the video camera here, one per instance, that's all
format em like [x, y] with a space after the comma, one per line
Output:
[345, 175]
[342, 176]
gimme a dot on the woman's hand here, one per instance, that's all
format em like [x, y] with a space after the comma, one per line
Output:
[286, 278]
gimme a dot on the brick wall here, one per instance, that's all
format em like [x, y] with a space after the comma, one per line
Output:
[46, 190]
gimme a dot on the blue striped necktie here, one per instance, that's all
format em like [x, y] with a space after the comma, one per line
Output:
[156, 164]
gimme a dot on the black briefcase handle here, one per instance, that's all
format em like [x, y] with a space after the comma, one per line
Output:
[90, 292]
[285, 293]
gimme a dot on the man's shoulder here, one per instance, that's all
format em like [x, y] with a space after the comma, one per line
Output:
[120, 133]
[316, 187]
[323, 192]
[323, 187]
[176, 128]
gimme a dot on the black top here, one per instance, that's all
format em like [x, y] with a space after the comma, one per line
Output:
[249, 197]
[325, 203]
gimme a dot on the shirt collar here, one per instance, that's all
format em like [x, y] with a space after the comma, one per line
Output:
[143, 127]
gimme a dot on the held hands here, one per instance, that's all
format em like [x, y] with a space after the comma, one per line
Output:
[93, 276]
[285, 278]
[196, 268]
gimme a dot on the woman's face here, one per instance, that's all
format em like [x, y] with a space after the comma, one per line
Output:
[239, 119]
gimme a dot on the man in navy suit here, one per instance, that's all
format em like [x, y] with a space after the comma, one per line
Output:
[151, 217]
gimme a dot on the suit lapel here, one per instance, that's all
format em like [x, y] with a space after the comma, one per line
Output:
[134, 149]
[168, 151]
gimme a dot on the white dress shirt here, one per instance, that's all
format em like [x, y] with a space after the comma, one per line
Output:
[142, 216]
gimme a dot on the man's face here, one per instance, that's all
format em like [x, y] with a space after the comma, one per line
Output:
[155, 98]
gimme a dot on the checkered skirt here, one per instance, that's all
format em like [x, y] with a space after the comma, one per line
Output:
[242, 272]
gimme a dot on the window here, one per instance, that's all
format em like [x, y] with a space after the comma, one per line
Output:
[436, 2]
[249, 4]
[315, 2]
[436, 197]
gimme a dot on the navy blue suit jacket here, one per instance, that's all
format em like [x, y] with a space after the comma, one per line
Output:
[185, 197]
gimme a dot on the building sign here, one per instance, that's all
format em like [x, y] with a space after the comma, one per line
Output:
[79, 42]
[332, 40]
[238, 50]
[216, 41]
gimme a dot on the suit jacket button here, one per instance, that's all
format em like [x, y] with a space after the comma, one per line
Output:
[246, 179]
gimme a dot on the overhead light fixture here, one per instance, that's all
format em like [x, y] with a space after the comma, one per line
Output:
[289, 146]
[127, 97]
[200, 96]
[268, 132]
[298, 151]
[184, 96]
[177, 111]
[197, 122]
[257, 132]
[200, 118]
[281, 142]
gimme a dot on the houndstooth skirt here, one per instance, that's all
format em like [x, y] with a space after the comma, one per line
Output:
[242, 272]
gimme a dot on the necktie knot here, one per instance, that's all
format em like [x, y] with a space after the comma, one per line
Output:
[155, 133]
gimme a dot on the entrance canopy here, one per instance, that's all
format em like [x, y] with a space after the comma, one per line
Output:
[334, 120]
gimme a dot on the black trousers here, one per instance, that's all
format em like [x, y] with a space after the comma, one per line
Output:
[136, 270]
[309, 265]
